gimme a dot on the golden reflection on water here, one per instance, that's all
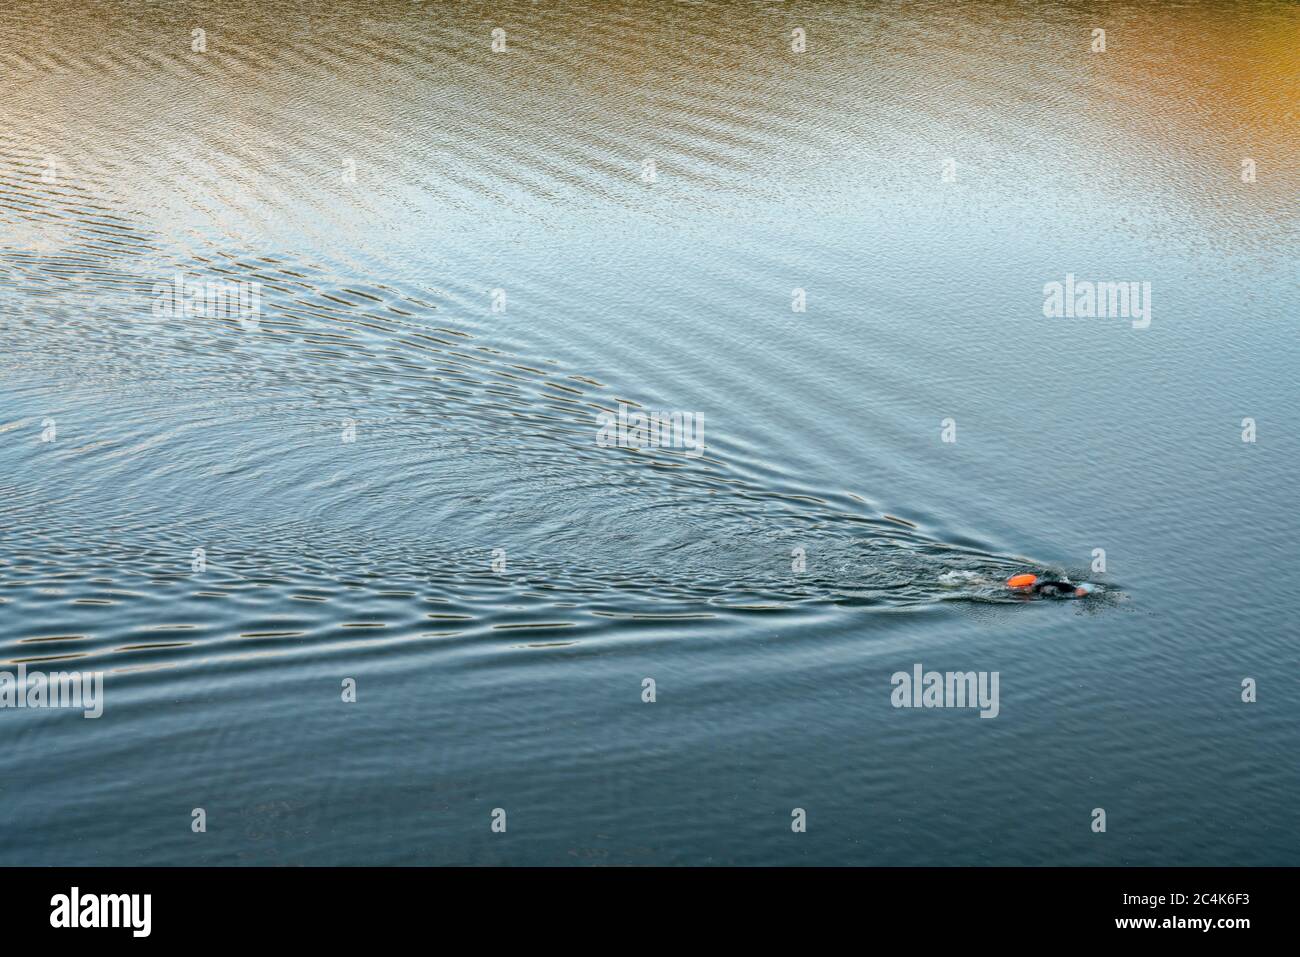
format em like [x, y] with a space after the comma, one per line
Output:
[260, 123]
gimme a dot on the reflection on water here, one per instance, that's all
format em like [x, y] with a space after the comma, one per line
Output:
[383, 462]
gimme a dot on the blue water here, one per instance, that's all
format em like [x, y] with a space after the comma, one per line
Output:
[380, 171]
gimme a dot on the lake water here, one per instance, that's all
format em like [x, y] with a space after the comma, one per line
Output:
[456, 258]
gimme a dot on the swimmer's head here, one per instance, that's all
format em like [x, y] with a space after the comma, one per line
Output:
[1084, 589]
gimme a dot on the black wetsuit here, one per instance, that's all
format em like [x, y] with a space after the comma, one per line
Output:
[1054, 589]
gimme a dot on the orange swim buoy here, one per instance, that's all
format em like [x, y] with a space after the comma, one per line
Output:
[1021, 581]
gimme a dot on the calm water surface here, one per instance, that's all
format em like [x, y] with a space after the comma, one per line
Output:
[380, 171]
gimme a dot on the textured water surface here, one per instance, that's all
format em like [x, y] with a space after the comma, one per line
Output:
[392, 473]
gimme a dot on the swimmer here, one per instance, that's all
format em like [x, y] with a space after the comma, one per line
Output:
[1049, 587]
